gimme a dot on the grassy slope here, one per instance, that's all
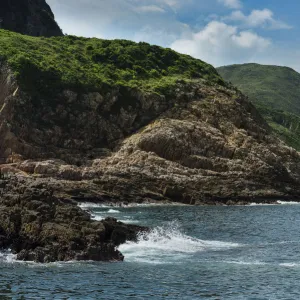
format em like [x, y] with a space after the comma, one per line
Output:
[49, 64]
[276, 93]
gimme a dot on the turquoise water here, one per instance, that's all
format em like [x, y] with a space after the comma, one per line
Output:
[250, 252]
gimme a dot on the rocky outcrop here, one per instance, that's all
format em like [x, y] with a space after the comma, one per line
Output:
[213, 148]
[204, 144]
[30, 17]
[39, 227]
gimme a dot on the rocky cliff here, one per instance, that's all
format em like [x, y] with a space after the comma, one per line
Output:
[31, 17]
[182, 134]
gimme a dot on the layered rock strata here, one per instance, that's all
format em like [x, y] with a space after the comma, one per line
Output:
[205, 144]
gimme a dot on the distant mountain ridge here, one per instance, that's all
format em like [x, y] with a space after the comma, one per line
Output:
[30, 17]
[275, 91]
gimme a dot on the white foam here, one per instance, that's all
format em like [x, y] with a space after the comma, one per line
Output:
[276, 203]
[156, 204]
[262, 204]
[246, 263]
[100, 217]
[113, 211]
[97, 217]
[290, 265]
[92, 205]
[7, 256]
[288, 202]
[165, 244]
[129, 221]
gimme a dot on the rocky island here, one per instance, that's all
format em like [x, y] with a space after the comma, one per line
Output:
[117, 121]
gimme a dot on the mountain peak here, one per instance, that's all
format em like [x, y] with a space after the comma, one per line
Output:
[30, 17]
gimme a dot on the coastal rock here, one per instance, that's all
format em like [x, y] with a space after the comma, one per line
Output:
[39, 227]
[207, 148]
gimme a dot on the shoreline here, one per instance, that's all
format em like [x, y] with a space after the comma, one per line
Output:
[109, 205]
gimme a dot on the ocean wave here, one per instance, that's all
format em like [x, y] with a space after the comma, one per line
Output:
[166, 243]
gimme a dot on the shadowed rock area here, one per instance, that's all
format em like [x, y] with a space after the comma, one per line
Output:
[30, 17]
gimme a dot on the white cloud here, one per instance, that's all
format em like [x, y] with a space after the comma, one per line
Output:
[235, 4]
[219, 43]
[172, 3]
[258, 18]
[150, 9]
[125, 19]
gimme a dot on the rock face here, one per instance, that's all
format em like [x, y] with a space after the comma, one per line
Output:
[30, 17]
[40, 227]
[205, 144]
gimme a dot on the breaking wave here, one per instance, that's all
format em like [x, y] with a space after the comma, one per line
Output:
[168, 243]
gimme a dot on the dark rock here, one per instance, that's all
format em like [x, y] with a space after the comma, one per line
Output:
[30, 17]
[44, 228]
[119, 232]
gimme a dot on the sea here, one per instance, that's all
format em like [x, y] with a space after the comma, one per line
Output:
[191, 252]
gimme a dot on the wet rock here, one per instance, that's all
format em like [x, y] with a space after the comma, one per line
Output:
[119, 232]
[39, 227]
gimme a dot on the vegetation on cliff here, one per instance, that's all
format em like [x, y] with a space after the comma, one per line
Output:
[275, 91]
[90, 63]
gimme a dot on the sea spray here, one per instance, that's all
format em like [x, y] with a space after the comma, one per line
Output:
[7, 256]
[167, 244]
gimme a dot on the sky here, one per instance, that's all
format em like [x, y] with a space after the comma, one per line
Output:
[220, 32]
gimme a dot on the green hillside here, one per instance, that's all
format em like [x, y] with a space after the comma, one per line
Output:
[88, 63]
[276, 93]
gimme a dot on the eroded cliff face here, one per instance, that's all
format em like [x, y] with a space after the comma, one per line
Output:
[8, 86]
[30, 17]
[213, 148]
[203, 144]
[74, 126]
